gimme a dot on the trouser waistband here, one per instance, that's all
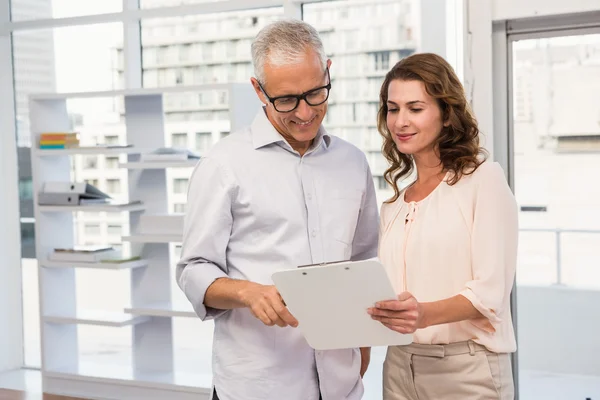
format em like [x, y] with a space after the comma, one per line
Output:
[443, 350]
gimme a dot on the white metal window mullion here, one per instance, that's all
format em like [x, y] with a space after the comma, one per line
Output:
[135, 13]
[132, 46]
[11, 315]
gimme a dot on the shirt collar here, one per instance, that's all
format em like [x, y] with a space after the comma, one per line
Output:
[264, 133]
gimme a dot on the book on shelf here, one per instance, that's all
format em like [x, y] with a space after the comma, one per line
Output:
[58, 140]
[169, 154]
[84, 254]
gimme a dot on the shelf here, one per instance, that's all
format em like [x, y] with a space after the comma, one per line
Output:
[94, 208]
[94, 265]
[85, 151]
[163, 310]
[159, 164]
[101, 318]
[141, 238]
[120, 374]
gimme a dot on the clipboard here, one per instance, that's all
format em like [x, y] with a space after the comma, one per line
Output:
[330, 302]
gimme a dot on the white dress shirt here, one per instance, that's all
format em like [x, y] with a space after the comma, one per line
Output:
[255, 206]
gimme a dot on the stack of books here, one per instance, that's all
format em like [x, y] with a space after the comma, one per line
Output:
[84, 254]
[59, 140]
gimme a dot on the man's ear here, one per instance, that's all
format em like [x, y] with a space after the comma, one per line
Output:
[259, 93]
[328, 63]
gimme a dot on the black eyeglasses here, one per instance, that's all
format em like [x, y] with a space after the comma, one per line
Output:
[290, 102]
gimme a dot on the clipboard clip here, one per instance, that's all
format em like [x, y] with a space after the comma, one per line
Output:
[322, 264]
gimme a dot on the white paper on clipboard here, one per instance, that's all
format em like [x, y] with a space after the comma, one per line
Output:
[330, 303]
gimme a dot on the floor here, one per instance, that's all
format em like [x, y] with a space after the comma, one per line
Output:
[534, 385]
[6, 394]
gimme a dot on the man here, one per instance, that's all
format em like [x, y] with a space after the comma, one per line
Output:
[279, 194]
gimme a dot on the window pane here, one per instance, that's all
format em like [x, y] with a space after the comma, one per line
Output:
[31, 314]
[196, 50]
[192, 57]
[203, 141]
[24, 10]
[366, 39]
[70, 59]
[556, 82]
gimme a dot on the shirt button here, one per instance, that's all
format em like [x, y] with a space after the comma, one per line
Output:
[309, 196]
[314, 233]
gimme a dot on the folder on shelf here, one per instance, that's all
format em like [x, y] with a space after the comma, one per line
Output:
[71, 193]
[82, 188]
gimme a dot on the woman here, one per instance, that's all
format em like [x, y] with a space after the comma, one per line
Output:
[448, 241]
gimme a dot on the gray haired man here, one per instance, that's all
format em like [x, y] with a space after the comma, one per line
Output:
[278, 194]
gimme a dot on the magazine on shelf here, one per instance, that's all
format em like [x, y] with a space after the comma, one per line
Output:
[169, 154]
[84, 254]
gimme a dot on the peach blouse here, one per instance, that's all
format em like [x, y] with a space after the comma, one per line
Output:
[460, 239]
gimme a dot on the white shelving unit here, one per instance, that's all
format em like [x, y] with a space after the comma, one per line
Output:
[148, 238]
[163, 310]
[152, 374]
[100, 318]
[159, 165]
[85, 151]
[93, 208]
[95, 265]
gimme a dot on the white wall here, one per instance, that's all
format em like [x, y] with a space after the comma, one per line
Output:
[513, 9]
[559, 330]
[11, 338]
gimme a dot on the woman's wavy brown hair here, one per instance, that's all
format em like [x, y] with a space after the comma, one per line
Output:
[457, 144]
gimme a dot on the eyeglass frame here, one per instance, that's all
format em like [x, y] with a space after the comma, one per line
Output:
[298, 97]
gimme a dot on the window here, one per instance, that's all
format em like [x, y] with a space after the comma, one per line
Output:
[93, 182]
[111, 139]
[224, 134]
[116, 230]
[92, 229]
[25, 10]
[66, 59]
[203, 141]
[381, 61]
[221, 51]
[112, 162]
[113, 186]
[25, 189]
[179, 208]
[180, 185]
[180, 140]
[90, 162]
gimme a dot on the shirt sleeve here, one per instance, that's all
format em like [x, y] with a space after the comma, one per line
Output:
[207, 227]
[493, 246]
[366, 236]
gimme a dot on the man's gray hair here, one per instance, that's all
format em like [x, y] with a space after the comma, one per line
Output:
[285, 43]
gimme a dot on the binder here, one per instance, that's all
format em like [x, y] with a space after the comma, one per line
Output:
[70, 193]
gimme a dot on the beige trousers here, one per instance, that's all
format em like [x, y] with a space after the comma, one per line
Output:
[457, 371]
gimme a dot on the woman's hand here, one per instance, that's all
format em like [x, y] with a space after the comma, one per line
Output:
[404, 315]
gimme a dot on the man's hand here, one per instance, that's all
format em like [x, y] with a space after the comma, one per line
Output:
[266, 304]
[365, 359]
